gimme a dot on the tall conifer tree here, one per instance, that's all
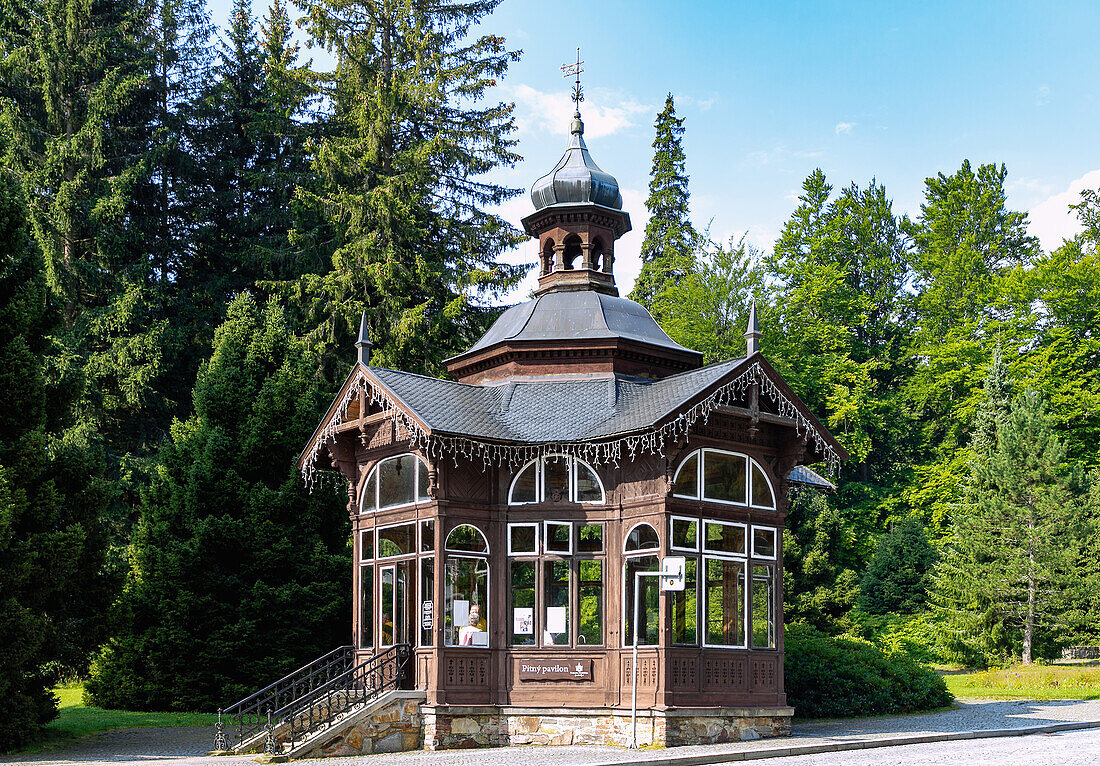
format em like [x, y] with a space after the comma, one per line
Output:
[668, 249]
[401, 162]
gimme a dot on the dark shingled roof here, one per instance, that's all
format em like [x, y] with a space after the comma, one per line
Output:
[800, 474]
[576, 315]
[547, 411]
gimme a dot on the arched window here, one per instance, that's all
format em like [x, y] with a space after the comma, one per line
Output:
[396, 481]
[639, 555]
[572, 251]
[642, 537]
[466, 588]
[597, 253]
[556, 478]
[723, 477]
[548, 256]
[466, 538]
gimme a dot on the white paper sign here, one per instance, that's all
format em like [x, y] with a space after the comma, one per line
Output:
[461, 613]
[556, 619]
[523, 621]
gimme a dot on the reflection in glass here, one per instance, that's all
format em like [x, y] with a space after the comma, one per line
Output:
[685, 534]
[558, 537]
[522, 629]
[523, 538]
[725, 602]
[587, 485]
[590, 538]
[761, 492]
[555, 616]
[427, 535]
[648, 601]
[366, 607]
[724, 538]
[685, 606]
[523, 491]
[555, 478]
[427, 595]
[724, 477]
[763, 542]
[687, 478]
[466, 599]
[465, 537]
[763, 596]
[395, 541]
[642, 537]
[396, 481]
[366, 545]
[590, 604]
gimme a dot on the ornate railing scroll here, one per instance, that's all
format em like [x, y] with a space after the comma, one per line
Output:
[326, 704]
[248, 718]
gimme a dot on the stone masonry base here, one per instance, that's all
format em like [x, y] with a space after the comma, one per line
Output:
[449, 727]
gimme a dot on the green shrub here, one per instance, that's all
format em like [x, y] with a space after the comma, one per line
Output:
[830, 677]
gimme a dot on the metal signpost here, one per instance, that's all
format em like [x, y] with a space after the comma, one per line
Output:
[672, 579]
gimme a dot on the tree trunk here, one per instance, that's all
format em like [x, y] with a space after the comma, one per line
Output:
[1029, 622]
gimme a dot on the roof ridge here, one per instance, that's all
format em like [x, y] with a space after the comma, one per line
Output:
[424, 377]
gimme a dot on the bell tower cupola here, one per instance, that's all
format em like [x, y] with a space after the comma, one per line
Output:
[578, 216]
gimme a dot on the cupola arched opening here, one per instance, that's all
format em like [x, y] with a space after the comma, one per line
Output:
[547, 256]
[572, 252]
[597, 254]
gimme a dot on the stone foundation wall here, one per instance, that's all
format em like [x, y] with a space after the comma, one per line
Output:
[392, 725]
[448, 728]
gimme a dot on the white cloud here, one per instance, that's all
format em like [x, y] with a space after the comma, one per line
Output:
[1052, 221]
[845, 128]
[1042, 96]
[1030, 185]
[553, 112]
[779, 153]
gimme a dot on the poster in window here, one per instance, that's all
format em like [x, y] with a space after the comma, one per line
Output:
[523, 621]
[556, 619]
[461, 613]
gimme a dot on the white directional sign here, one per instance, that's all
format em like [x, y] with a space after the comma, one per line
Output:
[672, 572]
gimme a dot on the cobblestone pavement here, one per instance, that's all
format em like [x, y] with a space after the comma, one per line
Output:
[187, 746]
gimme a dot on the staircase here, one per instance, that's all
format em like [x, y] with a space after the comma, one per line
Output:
[293, 712]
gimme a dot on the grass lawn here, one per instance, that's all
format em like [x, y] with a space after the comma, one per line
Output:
[77, 720]
[1038, 682]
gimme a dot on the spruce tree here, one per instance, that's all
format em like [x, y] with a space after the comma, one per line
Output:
[238, 575]
[898, 576]
[51, 499]
[402, 157]
[668, 249]
[1013, 541]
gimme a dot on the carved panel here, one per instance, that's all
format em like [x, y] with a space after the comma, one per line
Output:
[682, 673]
[467, 671]
[642, 477]
[647, 671]
[467, 481]
[763, 673]
[723, 673]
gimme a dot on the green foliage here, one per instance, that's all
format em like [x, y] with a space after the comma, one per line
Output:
[51, 500]
[400, 158]
[828, 677]
[897, 578]
[1015, 536]
[668, 248]
[237, 574]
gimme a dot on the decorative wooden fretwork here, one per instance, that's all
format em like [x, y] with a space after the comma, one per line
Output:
[723, 673]
[763, 673]
[647, 671]
[682, 673]
[467, 671]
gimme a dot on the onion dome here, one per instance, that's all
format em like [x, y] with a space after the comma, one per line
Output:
[576, 179]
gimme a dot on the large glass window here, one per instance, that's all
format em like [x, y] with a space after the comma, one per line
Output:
[366, 607]
[641, 537]
[522, 630]
[396, 481]
[685, 534]
[466, 600]
[395, 618]
[467, 538]
[763, 542]
[555, 602]
[427, 601]
[523, 539]
[556, 478]
[724, 537]
[590, 602]
[685, 606]
[725, 601]
[724, 477]
[648, 605]
[396, 540]
[763, 606]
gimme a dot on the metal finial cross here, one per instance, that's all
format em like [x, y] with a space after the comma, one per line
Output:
[570, 70]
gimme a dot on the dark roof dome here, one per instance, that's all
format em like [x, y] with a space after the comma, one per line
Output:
[576, 179]
[575, 315]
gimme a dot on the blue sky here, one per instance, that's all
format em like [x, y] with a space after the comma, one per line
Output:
[772, 90]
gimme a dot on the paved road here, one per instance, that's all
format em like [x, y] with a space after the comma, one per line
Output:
[186, 746]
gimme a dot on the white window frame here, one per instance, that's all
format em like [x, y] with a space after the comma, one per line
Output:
[420, 465]
[752, 484]
[699, 470]
[655, 553]
[540, 496]
[488, 595]
[726, 554]
[698, 534]
[534, 525]
[701, 578]
[775, 542]
[546, 538]
[378, 530]
[484, 539]
[393, 611]
[641, 551]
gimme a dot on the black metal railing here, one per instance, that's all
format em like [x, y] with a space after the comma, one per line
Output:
[359, 685]
[249, 717]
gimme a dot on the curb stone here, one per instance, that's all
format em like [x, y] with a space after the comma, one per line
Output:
[852, 744]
